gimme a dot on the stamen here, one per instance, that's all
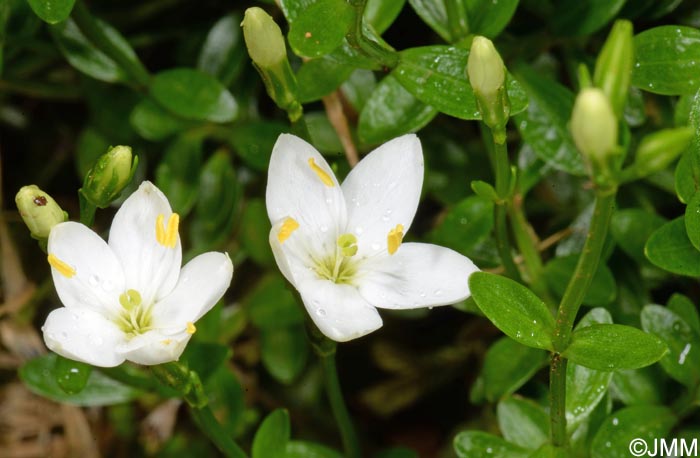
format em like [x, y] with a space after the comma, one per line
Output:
[191, 329]
[322, 174]
[166, 341]
[62, 267]
[167, 236]
[290, 225]
[347, 244]
[394, 239]
[130, 299]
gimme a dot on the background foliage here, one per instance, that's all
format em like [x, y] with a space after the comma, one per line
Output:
[172, 79]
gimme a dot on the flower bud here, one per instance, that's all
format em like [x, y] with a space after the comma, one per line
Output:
[39, 211]
[613, 69]
[266, 48]
[487, 76]
[109, 176]
[657, 150]
[593, 125]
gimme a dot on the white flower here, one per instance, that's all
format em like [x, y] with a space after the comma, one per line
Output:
[128, 299]
[340, 246]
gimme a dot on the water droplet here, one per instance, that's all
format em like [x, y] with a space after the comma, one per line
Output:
[107, 285]
[421, 293]
[329, 200]
[321, 312]
[518, 334]
[430, 307]
[534, 321]
[64, 335]
[463, 221]
[324, 228]
[489, 450]
[437, 292]
[73, 370]
[608, 444]
[684, 354]
[359, 230]
[677, 326]
[615, 421]
[376, 246]
[94, 280]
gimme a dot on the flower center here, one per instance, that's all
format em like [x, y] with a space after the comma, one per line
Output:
[134, 318]
[339, 268]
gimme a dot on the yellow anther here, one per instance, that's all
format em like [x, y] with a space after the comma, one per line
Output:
[166, 341]
[130, 299]
[347, 244]
[167, 236]
[62, 267]
[322, 174]
[290, 225]
[394, 239]
[191, 329]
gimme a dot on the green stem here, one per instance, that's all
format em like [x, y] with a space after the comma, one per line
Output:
[369, 48]
[210, 426]
[569, 306]
[87, 210]
[526, 242]
[94, 32]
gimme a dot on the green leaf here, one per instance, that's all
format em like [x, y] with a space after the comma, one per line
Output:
[550, 451]
[193, 94]
[639, 386]
[320, 27]
[465, 225]
[223, 52]
[609, 347]
[585, 387]
[682, 362]
[685, 181]
[253, 141]
[81, 54]
[487, 18]
[669, 248]
[434, 14]
[514, 309]
[321, 132]
[153, 122]
[544, 126]
[358, 88]
[284, 352]
[397, 452]
[91, 145]
[272, 436]
[226, 398]
[583, 17]
[523, 422]
[380, 14]
[507, 366]
[177, 174]
[205, 358]
[272, 306]
[436, 75]
[602, 290]
[71, 376]
[319, 77]
[52, 11]
[682, 306]
[392, 111]
[99, 390]
[304, 449]
[692, 220]
[255, 229]
[643, 422]
[477, 444]
[631, 228]
[667, 60]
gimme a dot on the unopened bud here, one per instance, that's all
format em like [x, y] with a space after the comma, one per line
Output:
[613, 69]
[656, 151]
[109, 176]
[485, 67]
[39, 211]
[593, 125]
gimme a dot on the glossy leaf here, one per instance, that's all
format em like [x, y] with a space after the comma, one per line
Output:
[683, 307]
[544, 126]
[614, 346]
[523, 422]
[488, 18]
[71, 376]
[434, 14]
[692, 220]
[476, 444]
[507, 366]
[622, 427]
[223, 52]
[272, 306]
[319, 77]
[272, 436]
[305, 449]
[253, 141]
[639, 386]
[358, 88]
[37, 375]
[687, 176]
[683, 359]
[154, 122]
[631, 228]
[465, 225]
[380, 14]
[284, 352]
[513, 309]
[255, 229]
[52, 11]
[320, 27]
[436, 76]
[602, 289]
[193, 94]
[667, 60]
[582, 17]
[669, 248]
[392, 111]
[177, 174]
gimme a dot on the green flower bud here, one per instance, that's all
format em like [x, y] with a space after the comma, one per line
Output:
[109, 176]
[657, 150]
[266, 48]
[594, 126]
[613, 69]
[487, 76]
[39, 211]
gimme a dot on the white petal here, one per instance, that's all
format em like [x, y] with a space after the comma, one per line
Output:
[338, 310]
[98, 280]
[203, 281]
[295, 190]
[149, 267]
[154, 347]
[382, 191]
[417, 275]
[83, 335]
[294, 256]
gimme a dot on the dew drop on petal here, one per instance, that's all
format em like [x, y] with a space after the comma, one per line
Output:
[324, 228]
[422, 294]
[376, 246]
[359, 230]
[107, 285]
[94, 280]
[321, 312]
